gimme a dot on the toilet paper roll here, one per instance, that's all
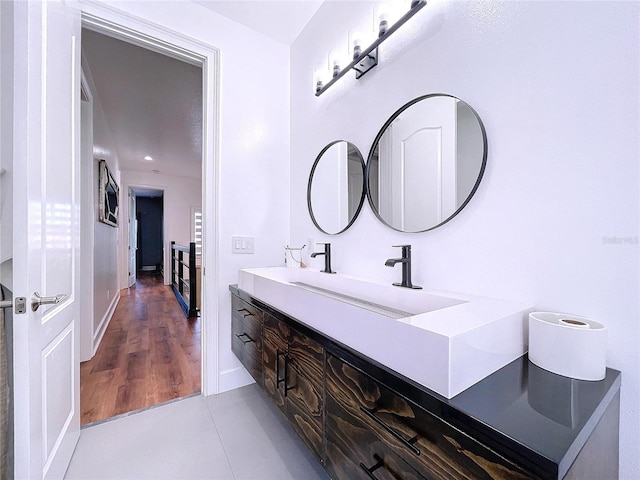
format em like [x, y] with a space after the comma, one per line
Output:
[568, 345]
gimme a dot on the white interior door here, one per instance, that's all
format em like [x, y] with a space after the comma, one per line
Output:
[133, 238]
[46, 236]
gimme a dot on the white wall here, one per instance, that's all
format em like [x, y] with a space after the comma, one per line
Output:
[557, 87]
[180, 195]
[253, 170]
[99, 247]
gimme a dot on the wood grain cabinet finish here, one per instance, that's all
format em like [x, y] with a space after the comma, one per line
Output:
[428, 445]
[293, 378]
[275, 341]
[246, 337]
[354, 452]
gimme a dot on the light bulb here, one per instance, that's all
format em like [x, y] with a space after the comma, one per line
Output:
[355, 43]
[338, 57]
[357, 49]
[319, 77]
[384, 24]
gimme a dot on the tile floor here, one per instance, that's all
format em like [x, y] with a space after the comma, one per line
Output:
[234, 435]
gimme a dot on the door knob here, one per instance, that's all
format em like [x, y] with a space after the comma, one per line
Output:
[37, 300]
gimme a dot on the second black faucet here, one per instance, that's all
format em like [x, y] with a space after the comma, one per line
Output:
[406, 267]
[327, 257]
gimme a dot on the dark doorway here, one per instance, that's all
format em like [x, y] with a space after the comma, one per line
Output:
[150, 234]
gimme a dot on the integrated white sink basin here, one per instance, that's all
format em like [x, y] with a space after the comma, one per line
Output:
[444, 341]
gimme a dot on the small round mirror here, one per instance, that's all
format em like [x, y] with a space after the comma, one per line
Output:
[335, 193]
[426, 163]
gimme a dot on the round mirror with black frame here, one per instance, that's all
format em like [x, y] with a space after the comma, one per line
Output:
[336, 189]
[426, 163]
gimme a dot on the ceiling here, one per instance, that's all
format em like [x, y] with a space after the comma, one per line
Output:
[282, 20]
[152, 103]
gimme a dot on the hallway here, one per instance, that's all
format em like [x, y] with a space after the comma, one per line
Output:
[150, 354]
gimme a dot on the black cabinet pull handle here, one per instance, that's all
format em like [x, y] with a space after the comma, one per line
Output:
[278, 379]
[286, 376]
[249, 339]
[369, 470]
[407, 443]
[246, 314]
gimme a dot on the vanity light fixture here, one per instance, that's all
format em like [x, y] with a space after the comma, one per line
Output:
[365, 59]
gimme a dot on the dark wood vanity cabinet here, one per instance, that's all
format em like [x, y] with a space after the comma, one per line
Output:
[365, 418]
[294, 378]
[246, 336]
[362, 420]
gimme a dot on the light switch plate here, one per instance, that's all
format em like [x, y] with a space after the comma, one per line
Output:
[242, 244]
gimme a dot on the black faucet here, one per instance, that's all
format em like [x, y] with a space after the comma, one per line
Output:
[406, 267]
[327, 257]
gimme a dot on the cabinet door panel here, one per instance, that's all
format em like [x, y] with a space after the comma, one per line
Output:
[271, 371]
[428, 444]
[276, 332]
[307, 356]
[305, 407]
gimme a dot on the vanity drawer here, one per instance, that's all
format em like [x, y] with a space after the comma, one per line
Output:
[242, 310]
[353, 448]
[246, 343]
[431, 446]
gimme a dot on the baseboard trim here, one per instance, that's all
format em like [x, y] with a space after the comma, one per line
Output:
[234, 378]
[104, 323]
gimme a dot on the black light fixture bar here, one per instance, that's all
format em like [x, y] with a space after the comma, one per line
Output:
[369, 57]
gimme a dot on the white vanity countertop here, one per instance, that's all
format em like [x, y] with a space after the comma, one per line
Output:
[451, 341]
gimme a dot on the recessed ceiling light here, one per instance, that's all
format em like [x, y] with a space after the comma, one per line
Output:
[148, 158]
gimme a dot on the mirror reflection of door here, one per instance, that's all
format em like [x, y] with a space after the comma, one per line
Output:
[426, 163]
[419, 186]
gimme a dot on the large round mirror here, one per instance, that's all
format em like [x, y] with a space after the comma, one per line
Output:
[426, 163]
[336, 187]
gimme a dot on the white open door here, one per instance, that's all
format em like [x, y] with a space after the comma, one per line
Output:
[46, 236]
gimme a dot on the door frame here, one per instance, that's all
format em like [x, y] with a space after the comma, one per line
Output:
[115, 23]
[87, 219]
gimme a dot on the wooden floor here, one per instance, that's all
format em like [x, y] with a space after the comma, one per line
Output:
[149, 354]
